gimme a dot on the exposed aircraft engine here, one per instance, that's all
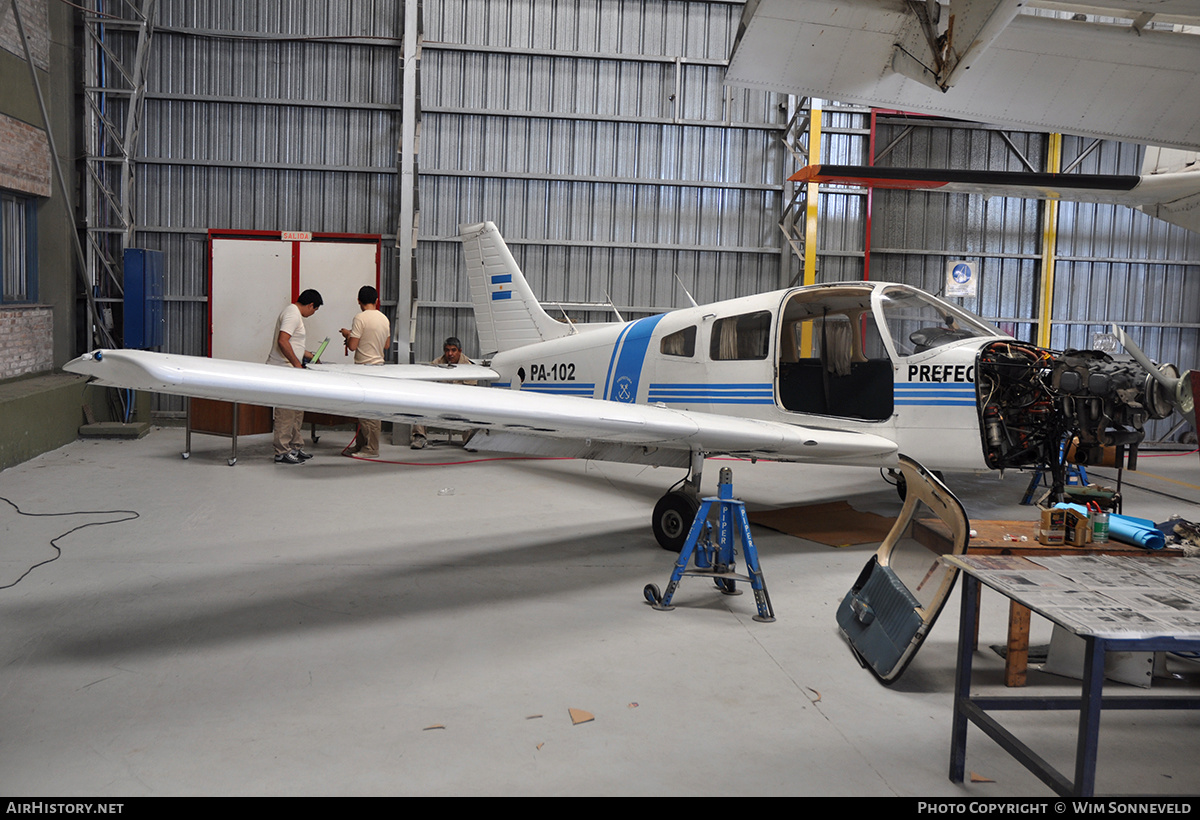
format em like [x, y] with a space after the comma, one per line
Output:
[1032, 400]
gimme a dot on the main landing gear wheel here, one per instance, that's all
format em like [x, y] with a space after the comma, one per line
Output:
[673, 517]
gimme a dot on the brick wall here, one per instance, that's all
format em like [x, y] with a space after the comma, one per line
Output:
[24, 157]
[26, 340]
[35, 16]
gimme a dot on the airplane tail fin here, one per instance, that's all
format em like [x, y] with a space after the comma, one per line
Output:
[507, 315]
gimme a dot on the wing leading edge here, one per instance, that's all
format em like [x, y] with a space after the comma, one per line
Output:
[461, 406]
[1172, 197]
[415, 372]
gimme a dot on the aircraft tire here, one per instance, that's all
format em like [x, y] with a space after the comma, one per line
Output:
[673, 517]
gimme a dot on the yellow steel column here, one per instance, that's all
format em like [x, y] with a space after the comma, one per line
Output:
[810, 217]
[1049, 244]
[810, 196]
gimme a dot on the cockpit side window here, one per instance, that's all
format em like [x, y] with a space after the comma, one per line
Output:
[917, 322]
[742, 337]
[680, 343]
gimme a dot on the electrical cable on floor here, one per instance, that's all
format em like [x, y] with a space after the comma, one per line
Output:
[1168, 455]
[130, 515]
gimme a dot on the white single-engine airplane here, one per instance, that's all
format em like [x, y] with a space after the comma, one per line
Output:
[848, 373]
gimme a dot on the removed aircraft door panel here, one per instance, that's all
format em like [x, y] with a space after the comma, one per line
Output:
[897, 597]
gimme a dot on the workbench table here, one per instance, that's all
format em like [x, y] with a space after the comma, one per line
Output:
[1004, 538]
[1070, 594]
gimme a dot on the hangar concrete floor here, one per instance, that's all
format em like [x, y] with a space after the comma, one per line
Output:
[352, 628]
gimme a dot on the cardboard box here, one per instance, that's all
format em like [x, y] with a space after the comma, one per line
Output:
[1079, 528]
[1053, 529]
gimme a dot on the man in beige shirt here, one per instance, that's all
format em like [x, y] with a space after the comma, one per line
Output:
[368, 336]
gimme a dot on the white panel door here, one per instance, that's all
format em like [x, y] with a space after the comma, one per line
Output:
[251, 283]
[337, 270]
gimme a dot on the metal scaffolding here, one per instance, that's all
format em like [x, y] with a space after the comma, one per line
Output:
[117, 40]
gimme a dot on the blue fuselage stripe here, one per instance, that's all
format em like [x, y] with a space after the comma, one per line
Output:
[936, 402]
[708, 400]
[923, 387]
[567, 389]
[959, 394]
[626, 374]
[702, 386]
[700, 393]
[612, 362]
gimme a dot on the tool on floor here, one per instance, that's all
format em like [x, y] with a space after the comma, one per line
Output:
[716, 560]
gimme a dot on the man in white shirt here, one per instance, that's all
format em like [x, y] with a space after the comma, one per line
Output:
[287, 350]
[369, 336]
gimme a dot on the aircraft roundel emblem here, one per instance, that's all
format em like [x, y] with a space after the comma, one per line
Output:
[961, 273]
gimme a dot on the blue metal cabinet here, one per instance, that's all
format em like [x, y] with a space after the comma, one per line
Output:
[143, 298]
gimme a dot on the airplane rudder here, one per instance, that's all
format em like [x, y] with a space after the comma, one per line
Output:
[501, 294]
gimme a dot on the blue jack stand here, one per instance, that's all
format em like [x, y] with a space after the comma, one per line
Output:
[716, 561]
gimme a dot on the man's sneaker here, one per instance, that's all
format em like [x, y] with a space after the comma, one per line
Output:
[288, 458]
[418, 443]
[303, 455]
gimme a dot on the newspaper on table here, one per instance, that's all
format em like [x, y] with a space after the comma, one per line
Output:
[1102, 595]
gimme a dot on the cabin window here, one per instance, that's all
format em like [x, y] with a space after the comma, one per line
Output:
[918, 322]
[741, 337]
[680, 343]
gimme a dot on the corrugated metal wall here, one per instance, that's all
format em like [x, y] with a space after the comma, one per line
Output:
[598, 136]
[276, 116]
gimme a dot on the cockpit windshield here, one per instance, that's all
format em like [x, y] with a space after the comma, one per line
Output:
[918, 322]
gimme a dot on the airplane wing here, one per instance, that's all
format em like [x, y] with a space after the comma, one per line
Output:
[1172, 197]
[984, 61]
[415, 372]
[525, 414]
